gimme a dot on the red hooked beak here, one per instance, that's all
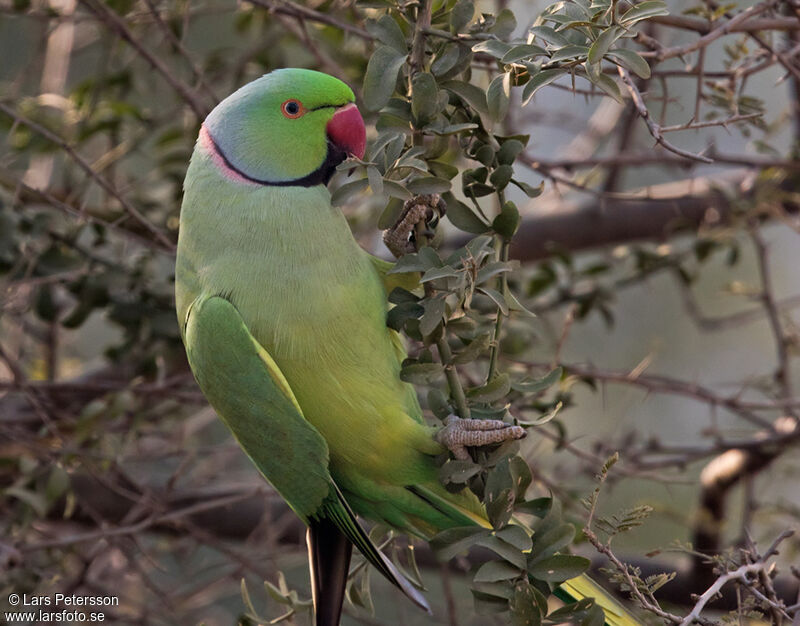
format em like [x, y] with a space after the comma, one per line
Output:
[347, 131]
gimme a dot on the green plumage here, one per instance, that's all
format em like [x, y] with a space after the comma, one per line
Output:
[284, 320]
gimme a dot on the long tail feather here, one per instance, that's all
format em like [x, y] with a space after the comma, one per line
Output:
[340, 514]
[329, 554]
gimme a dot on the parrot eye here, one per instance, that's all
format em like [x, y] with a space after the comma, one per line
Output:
[292, 109]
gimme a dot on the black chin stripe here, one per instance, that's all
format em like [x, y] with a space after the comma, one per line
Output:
[320, 176]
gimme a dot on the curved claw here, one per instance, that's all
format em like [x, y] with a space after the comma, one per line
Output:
[459, 433]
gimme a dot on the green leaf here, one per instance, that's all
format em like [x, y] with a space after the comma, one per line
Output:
[458, 471]
[34, 500]
[428, 184]
[410, 263]
[421, 373]
[398, 315]
[438, 273]
[602, 44]
[530, 190]
[348, 190]
[434, 313]
[474, 349]
[572, 613]
[524, 606]
[494, 571]
[57, 484]
[438, 403]
[461, 15]
[387, 31]
[496, 297]
[472, 95]
[424, 94]
[396, 190]
[506, 223]
[521, 476]
[430, 257]
[499, 507]
[642, 11]
[596, 616]
[453, 129]
[509, 151]
[485, 155]
[495, 389]
[493, 268]
[558, 568]
[381, 76]
[493, 47]
[493, 597]
[504, 24]
[446, 59]
[539, 384]
[550, 542]
[488, 604]
[477, 190]
[390, 214]
[515, 535]
[544, 418]
[514, 304]
[538, 506]
[523, 51]
[246, 598]
[463, 217]
[501, 176]
[400, 295]
[632, 61]
[375, 179]
[547, 34]
[505, 550]
[537, 81]
[608, 85]
[497, 96]
[569, 52]
[454, 541]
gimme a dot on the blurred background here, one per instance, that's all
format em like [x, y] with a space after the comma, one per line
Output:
[666, 284]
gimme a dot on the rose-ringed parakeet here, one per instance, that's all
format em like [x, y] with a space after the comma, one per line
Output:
[284, 320]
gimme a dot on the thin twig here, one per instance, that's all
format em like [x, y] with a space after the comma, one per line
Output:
[296, 10]
[652, 126]
[118, 25]
[740, 574]
[86, 167]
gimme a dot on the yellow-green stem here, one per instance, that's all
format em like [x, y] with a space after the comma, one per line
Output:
[445, 354]
[498, 325]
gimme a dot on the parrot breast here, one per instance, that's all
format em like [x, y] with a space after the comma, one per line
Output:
[310, 296]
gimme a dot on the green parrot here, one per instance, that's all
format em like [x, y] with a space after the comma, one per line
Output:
[283, 317]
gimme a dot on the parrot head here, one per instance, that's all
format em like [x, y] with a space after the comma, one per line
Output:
[289, 127]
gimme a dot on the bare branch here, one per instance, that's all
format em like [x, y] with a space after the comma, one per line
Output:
[86, 167]
[652, 126]
[297, 10]
[118, 25]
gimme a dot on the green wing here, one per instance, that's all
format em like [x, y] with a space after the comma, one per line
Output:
[248, 391]
[406, 280]
[584, 587]
[250, 394]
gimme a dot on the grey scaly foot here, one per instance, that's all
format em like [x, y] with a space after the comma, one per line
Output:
[425, 208]
[459, 433]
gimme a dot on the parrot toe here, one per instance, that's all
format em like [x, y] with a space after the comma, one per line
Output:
[425, 209]
[459, 433]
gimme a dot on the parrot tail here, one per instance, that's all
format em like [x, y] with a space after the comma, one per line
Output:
[584, 587]
[329, 552]
[338, 513]
[570, 591]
